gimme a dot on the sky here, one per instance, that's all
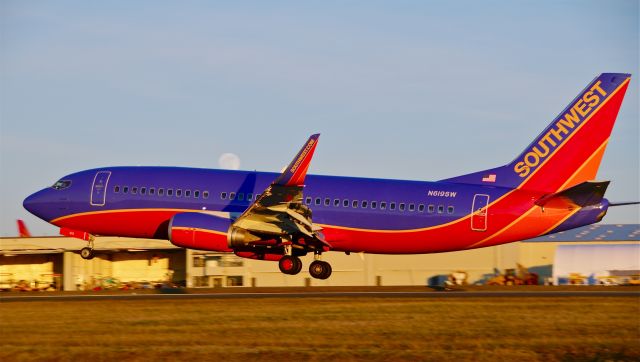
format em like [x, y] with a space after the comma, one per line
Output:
[420, 90]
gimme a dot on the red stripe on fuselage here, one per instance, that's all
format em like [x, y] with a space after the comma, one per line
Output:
[135, 223]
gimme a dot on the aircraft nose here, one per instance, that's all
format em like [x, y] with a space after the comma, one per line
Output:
[35, 203]
[30, 202]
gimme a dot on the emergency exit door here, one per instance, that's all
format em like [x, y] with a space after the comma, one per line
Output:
[99, 188]
[479, 212]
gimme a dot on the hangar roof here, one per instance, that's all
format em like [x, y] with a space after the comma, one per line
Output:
[597, 232]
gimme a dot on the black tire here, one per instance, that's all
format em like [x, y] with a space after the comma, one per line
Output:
[87, 253]
[287, 264]
[327, 270]
[298, 266]
[319, 269]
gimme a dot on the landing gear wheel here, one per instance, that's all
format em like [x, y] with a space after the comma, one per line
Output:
[320, 269]
[298, 267]
[290, 264]
[87, 253]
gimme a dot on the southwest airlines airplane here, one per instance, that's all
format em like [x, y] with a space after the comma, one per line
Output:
[547, 188]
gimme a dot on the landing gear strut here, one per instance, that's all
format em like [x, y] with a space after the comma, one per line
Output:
[290, 264]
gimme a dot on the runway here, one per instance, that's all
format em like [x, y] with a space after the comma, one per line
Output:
[173, 295]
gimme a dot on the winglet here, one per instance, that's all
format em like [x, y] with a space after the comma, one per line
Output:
[22, 229]
[295, 173]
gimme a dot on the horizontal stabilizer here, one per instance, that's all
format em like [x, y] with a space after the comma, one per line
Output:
[581, 195]
[624, 203]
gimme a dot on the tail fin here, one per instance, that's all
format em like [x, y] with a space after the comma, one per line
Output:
[568, 152]
[22, 229]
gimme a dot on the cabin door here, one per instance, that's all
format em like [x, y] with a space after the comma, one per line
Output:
[99, 188]
[479, 212]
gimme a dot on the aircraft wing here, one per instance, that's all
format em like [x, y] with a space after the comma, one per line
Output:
[279, 212]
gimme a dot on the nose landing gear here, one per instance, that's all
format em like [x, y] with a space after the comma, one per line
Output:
[87, 253]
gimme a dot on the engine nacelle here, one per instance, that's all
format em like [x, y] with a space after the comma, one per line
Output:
[237, 237]
[201, 231]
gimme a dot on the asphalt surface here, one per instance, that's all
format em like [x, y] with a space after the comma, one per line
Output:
[178, 294]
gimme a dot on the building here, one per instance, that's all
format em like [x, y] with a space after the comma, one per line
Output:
[54, 262]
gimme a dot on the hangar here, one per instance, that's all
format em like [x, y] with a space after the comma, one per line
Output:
[53, 263]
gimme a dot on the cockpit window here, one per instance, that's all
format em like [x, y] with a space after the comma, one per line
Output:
[61, 185]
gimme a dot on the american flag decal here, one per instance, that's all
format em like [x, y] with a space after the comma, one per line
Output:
[489, 178]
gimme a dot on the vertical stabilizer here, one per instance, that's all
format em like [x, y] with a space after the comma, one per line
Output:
[568, 152]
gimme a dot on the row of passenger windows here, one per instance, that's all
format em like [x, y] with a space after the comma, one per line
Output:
[382, 205]
[351, 203]
[238, 196]
[152, 191]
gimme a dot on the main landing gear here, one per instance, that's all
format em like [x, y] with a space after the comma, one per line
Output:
[290, 264]
[320, 269]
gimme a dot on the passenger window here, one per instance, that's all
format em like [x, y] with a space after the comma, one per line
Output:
[196, 194]
[160, 192]
[205, 194]
[179, 193]
[421, 208]
[374, 204]
[364, 204]
[432, 209]
[412, 207]
[402, 207]
[354, 204]
[345, 203]
[125, 190]
[383, 205]
[327, 202]
[308, 200]
[240, 196]
[134, 190]
[152, 191]
[450, 210]
[257, 196]
[169, 192]
[143, 191]
[187, 193]
[336, 202]
[232, 196]
[392, 206]
[116, 189]
[223, 195]
[249, 196]
[440, 209]
[318, 200]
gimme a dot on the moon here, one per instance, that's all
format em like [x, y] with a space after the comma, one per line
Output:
[229, 161]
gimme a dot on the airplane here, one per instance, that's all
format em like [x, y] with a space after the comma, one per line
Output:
[549, 187]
